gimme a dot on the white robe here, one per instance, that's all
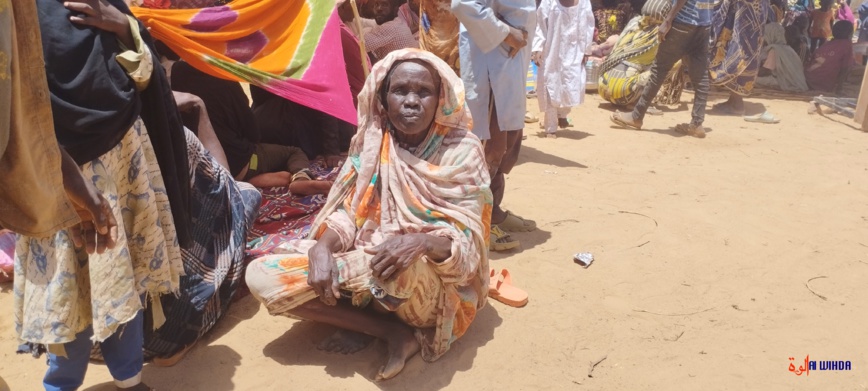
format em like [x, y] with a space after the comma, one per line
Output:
[563, 35]
[486, 68]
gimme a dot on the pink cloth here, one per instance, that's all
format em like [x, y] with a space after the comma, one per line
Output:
[845, 13]
[7, 255]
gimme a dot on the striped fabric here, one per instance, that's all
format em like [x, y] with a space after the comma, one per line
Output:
[289, 48]
[221, 211]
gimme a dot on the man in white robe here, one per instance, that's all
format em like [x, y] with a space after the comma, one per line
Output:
[494, 57]
[564, 34]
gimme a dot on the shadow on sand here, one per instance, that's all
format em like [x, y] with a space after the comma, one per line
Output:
[298, 347]
[531, 154]
[221, 360]
[528, 241]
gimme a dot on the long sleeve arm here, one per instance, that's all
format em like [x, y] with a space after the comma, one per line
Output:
[539, 39]
[480, 21]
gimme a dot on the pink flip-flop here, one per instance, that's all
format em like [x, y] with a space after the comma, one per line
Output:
[500, 288]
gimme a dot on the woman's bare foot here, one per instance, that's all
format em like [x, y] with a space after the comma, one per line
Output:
[309, 187]
[626, 120]
[402, 345]
[345, 342]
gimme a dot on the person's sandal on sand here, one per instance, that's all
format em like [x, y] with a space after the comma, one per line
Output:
[626, 120]
[515, 223]
[691, 130]
[501, 241]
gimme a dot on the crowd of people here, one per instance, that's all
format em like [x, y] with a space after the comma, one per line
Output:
[131, 175]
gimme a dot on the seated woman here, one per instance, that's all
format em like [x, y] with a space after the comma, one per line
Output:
[781, 67]
[625, 71]
[832, 61]
[405, 226]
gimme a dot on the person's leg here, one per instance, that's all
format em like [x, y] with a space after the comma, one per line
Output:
[550, 118]
[123, 353]
[563, 121]
[512, 142]
[280, 283]
[400, 339]
[67, 373]
[297, 160]
[267, 166]
[669, 52]
[698, 72]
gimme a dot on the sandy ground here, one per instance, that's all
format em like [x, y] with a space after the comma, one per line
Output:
[703, 249]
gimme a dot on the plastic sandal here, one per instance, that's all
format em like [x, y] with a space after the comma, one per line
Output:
[504, 292]
[501, 241]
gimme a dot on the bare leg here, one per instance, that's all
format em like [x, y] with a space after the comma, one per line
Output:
[309, 187]
[271, 179]
[736, 102]
[399, 337]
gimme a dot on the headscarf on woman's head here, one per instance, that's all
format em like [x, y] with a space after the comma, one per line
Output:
[373, 144]
[451, 113]
[440, 189]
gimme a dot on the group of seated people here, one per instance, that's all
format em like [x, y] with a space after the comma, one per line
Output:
[789, 64]
[399, 251]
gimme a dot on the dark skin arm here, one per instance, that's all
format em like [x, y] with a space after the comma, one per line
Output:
[104, 16]
[189, 103]
[323, 274]
[391, 258]
[98, 229]
[667, 23]
[397, 254]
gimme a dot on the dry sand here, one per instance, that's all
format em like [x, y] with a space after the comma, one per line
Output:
[703, 249]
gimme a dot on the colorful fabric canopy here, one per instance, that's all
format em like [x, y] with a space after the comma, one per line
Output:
[291, 48]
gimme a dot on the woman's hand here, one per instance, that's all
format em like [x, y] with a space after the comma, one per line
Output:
[397, 254]
[104, 16]
[98, 229]
[323, 275]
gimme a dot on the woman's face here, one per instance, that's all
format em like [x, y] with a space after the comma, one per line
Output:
[412, 97]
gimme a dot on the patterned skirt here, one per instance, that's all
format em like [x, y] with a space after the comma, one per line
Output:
[280, 282]
[59, 291]
[737, 37]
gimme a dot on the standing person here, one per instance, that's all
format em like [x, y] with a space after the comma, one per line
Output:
[114, 115]
[564, 34]
[737, 41]
[821, 24]
[683, 34]
[494, 59]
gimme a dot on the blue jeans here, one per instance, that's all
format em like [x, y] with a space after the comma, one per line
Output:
[122, 352]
